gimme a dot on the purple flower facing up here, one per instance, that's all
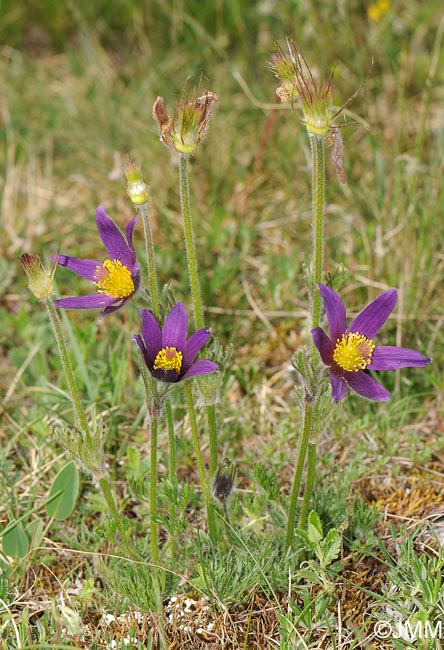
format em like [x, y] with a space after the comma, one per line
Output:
[116, 279]
[168, 354]
[350, 351]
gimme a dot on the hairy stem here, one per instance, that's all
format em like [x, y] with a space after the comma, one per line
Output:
[309, 485]
[199, 461]
[189, 240]
[318, 199]
[151, 264]
[299, 468]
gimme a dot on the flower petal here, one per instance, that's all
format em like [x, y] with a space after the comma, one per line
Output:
[84, 268]
[390, 357]
[129, 236]
[334, 310]
[366, 386]
[324, 345]
[370, 320]
[200, 367]
[193, 346]
[93, 301]
[138, 339]
[151, 334]
[175, 328]
[338, 386]
[113, 240]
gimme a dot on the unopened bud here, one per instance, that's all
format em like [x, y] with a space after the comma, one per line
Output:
[40, 281]
[137, 190]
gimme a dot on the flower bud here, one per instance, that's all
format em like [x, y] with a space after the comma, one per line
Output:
[40, 281]
[137, 190]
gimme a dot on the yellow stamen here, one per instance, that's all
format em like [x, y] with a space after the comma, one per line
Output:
[168, 359]
[353, 352]
[114, 279]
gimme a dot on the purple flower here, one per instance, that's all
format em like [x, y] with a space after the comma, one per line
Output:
[168, 354]
[348, 352]
[116, 279]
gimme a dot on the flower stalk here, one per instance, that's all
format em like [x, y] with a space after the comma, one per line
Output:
[299, 468]
[199, 461]
[151, 264]
[185, 205]
[318, 200]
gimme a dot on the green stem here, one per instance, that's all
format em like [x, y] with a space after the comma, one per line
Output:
[172, 470]
[298, 473]
[151, 263]
[112, 507]
[185, 205]
[67, 367]
[153, 492]
[309, 485]
[318, 199]
[212, 433]
[199, 461]
[195, 291]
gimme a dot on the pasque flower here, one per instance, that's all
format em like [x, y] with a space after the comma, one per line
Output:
[116, 279]
[350, 351]
[168, 354]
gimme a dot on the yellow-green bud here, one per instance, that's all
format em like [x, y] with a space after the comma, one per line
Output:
[137, 190]
[40, 281]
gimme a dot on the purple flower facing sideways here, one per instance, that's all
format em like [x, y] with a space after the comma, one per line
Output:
[350, 351]
[116, 279]
[168, 354]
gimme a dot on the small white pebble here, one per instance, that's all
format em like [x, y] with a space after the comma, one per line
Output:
[109, 618]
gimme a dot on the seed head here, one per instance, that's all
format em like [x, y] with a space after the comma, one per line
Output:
[189, 125]
[223, 481]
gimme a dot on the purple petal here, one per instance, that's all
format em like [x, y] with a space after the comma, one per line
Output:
[338, 386]
[93, 301]
[193, 346]
[113, 308]
[151, 334]
[201, 367]
[84, 268]
[370, 320]
[129, 236]
[112, 238]
[334, 310]
[390, 357]
[366, 386]
[138, 339]
[175, 328]
[324, 345]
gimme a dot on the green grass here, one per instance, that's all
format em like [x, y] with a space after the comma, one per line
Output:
[78, 86]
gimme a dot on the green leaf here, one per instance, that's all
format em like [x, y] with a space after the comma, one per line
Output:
[14, 541]
[64, 491]
[331, 546]
[314, 527]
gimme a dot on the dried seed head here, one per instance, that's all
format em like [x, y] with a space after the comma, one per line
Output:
[189, 126]
[281, 65]
[223, 481]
